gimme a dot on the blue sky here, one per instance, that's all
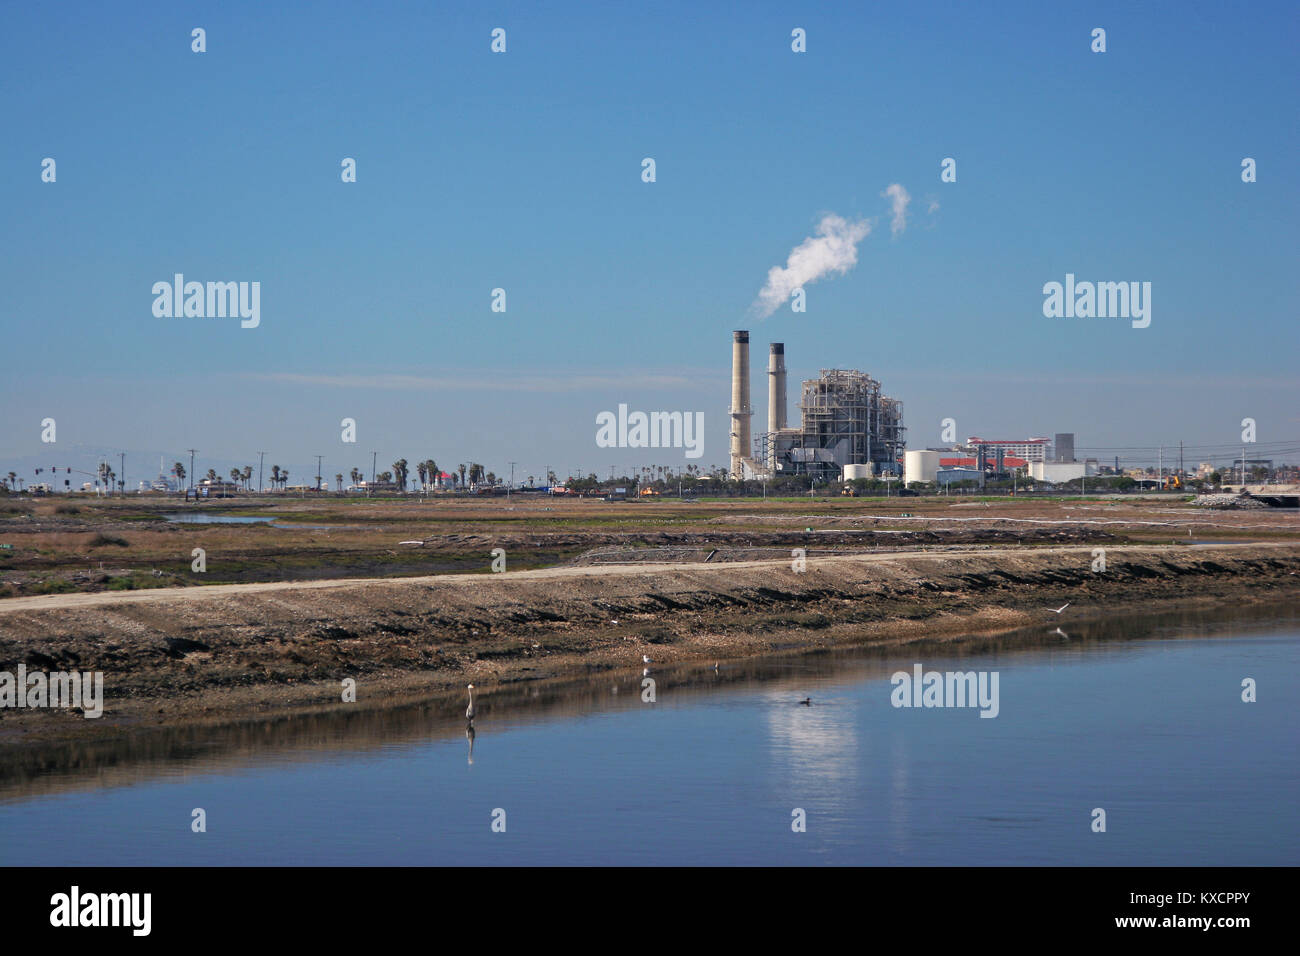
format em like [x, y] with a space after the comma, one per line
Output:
[522, 171]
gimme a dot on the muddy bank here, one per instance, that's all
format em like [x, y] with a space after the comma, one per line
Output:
[234, 651]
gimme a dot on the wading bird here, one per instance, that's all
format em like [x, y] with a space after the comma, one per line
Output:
[469, 711]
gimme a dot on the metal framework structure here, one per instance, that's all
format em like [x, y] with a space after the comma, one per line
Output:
[845, 419]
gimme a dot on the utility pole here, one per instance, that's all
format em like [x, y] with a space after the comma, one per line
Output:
[512, 479]
[1161, 469]
[192, 451]
[121, 471]
[261, 455]
[318, 458]
[374, 463]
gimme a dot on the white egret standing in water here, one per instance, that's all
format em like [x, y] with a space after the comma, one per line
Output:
[469, 711]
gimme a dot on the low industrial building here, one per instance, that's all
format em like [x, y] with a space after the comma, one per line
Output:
[954, 476]
[1057, 472]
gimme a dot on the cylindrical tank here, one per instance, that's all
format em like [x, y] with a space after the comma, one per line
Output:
[858, 471]
[920, 466]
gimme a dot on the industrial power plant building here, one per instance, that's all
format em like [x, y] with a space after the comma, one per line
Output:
[845, 420]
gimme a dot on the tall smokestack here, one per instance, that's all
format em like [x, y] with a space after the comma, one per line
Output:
[776, 387]
[740, 410]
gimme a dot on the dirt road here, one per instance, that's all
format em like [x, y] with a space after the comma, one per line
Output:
[49, 602]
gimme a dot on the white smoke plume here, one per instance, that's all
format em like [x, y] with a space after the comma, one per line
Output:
[899, 199]
[834, 249]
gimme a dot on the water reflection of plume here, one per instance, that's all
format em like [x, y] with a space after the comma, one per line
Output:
[814, 748]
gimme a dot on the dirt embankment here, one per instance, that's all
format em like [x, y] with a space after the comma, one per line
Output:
[229, 651]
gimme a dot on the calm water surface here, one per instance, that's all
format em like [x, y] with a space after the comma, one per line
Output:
[1142, 717]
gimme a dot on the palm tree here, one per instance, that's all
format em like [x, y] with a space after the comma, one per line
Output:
[179, 471]
[461, 469]
[236, 475]
[431, 467]
[247, 475]
[284, 479]
[400, 471]
[275, 475]
[13, 476]
[339, 480]
[420, 470]
[212, 475]
[491, 479]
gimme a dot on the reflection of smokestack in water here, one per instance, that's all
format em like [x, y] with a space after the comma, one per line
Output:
[740, 410]
[776, 387]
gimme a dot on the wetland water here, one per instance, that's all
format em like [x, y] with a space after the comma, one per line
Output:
[1141, 716]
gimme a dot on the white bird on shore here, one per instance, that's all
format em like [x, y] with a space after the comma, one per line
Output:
[646, 660]
[1058, 610]
[469, 711]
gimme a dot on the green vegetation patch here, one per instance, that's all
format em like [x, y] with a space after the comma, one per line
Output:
[52, 586]
[135, 581]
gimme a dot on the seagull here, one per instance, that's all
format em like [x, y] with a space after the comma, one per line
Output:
[1058, 610]
[469, 711]
[646, 660]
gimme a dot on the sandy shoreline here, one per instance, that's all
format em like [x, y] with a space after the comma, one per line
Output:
[231, 652]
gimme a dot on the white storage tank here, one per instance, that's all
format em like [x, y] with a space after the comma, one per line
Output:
[920, 466]
[858, 471]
